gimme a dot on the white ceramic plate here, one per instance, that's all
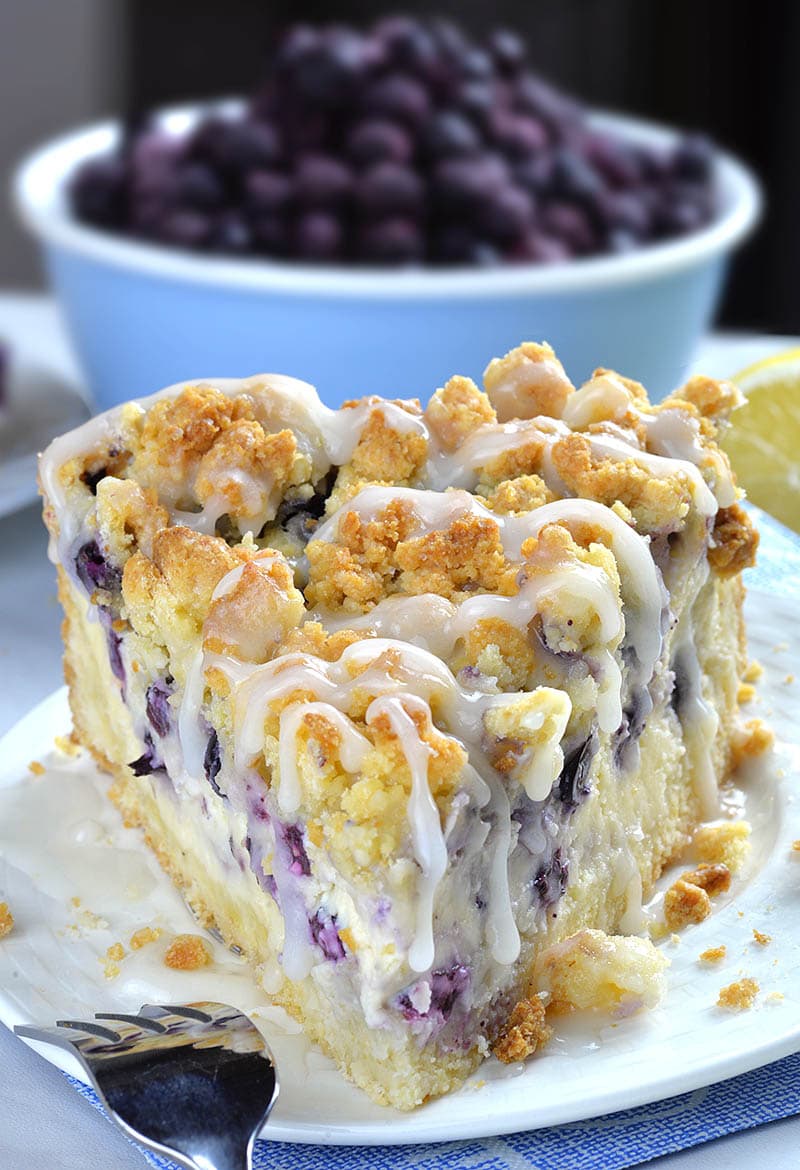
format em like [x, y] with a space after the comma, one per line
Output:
[60, 839]
[41, 404]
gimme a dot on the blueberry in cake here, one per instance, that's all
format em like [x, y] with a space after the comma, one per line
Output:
[405, 699]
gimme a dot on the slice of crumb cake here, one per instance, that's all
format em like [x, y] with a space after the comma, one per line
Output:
[402, 698]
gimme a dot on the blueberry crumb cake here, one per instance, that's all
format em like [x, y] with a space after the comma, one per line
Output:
[405, 700]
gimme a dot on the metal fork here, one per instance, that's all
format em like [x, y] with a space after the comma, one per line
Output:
[193, 1081]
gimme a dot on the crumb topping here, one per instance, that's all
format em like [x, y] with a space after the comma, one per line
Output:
[739, 996]
[526, 1031]
[733, 543]
[763, 940]
[146, 934]
[752, 739]
[685, 904]
[527, 382]
[6, 920]
[713, 955]
[187, 952]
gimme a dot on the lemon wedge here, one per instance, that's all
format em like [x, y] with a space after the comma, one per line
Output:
[763, 441]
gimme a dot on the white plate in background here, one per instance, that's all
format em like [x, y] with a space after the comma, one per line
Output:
[40, 404]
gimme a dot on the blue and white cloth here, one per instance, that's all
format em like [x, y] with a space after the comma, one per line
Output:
[620, 1140]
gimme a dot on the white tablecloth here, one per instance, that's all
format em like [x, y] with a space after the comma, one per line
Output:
[44, 1125]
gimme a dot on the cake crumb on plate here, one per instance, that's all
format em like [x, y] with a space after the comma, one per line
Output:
[739, 996]
[187, 952]
[6, 920]
[526, 1031]
[685, 904]
[147, 934]
[36, 768]
[763, 940]
[713, 954]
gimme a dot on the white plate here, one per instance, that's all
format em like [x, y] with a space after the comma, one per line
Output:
[61, 839]
[41, 404]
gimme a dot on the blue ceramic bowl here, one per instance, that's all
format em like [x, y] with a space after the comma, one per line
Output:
[142, 316]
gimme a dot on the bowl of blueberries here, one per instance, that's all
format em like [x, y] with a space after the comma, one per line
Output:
[387, 208]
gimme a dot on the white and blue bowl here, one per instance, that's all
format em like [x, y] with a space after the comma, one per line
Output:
[143, 316]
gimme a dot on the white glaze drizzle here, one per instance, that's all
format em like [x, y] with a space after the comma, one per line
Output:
[353, 747]
[426, 826]
[193, 738]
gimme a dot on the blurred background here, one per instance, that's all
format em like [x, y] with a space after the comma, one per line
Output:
[726, 68]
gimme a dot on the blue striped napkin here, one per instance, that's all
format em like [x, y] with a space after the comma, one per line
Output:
[605, 1143]
[619, 1140]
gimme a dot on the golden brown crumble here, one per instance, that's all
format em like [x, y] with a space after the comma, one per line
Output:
[250, 620]
[456, 410]
[187, 952]
[384, 455]
[684, 904]
[6, 920]
[67, 744]
[753, 739]
[525, 1032]
[241, 458]
[112, 959]
[375, 558]
[763, 940]
[146, 934]
[37, 768]
[656, 504]
[527, 382]
[738, 996]
[733, 543]
[796, 846]
[712, 399]
[713, 878]
[522, 494]
[753, 672]
[745, 693]
[713, 954]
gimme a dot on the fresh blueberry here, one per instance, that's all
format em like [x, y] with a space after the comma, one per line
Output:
[99, 191]
[508, 50]
[390, 189]
[391, 241]
[379, 140]
[450, 133]
[400, 97]
[267, 192]
[319, 236]
[321, 181]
